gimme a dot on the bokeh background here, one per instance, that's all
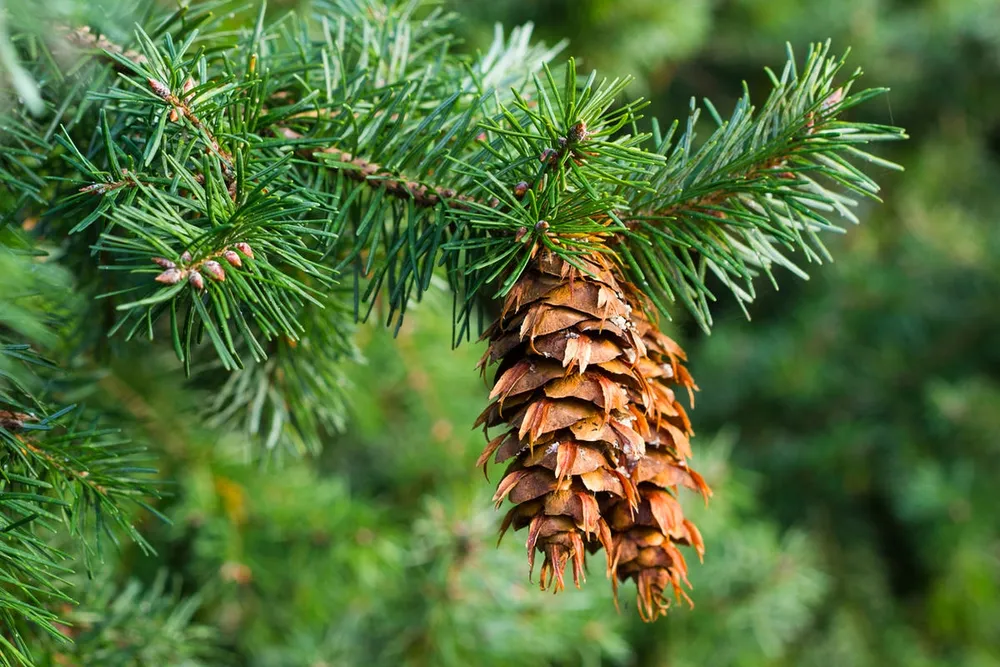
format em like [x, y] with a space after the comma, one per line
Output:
[849, 430]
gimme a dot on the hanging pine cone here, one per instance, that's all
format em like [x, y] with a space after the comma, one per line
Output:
[568, 365]
[646, 539]
[598, 439]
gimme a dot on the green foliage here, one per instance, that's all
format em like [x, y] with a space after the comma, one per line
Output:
[759, 184]
[134, 626]
[198, 206]
[62, 471]
[355, 150]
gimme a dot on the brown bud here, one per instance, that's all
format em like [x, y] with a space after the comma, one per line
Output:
[196, 280]
[494, 202]
[159, 88]
[170, 277]
[14, 421]
[188, 85]
[521, 189]
[233, 258]
[186, 257]
[549, 155]
[164, 262]
[214, 269]
[577, 133]
[541, 226]
[521, 232]
[174, 116]
[245, 249]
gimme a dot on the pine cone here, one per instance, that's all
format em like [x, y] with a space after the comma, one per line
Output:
[645, 539]
[565, 390]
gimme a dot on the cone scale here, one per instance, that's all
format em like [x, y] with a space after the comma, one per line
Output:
[596, 441]
[646, 538]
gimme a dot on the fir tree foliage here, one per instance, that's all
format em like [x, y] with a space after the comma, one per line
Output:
[239, 186]
[106, 630]
[65, 470]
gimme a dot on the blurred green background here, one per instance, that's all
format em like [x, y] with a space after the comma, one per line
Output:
[849, 430]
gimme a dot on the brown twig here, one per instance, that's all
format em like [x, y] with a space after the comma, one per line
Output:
[111, 186]
[181, 109]
[56, 462]
[377, 177]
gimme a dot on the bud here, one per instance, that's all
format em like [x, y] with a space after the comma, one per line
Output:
[188, 85]
[164, 262]
[14, 421]
[186, 257]
[577, 133]
[541, 226]
[159, 88]
[214, 269]
[196, 280]
[521, 189]
[170, 277]
[245, 249]
[233, 258]
[549, 155]
[836, 97]
[521, 232]
[174, 116]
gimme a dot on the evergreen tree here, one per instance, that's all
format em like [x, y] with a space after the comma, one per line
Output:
[197, 213]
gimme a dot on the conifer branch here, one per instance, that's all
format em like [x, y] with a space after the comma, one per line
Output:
[104, 624]
[377, 177]
[484, 179]
[764, 184]
[62, 472]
